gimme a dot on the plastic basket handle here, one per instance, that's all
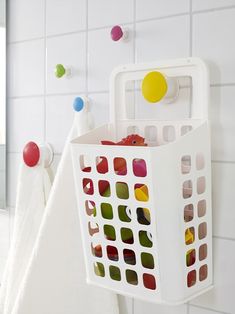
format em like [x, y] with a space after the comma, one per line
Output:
[192, 67]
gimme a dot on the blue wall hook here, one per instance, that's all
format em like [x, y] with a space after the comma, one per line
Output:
[78, 104]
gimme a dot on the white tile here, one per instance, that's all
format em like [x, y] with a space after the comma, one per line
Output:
[25, 19]
[25, 122]
[221, 297]
[212, 33]
[211, 4]
[100, 108]
[68, 50]
[223, 199]
[104, 54]
[13, 164]
[65, 16]
[198, 310]
[125, 305]
[156, 8]
[2, 157]
[222, 121]
[179, 109]
[59, 120]
[2, 189]
[26, 68]
[108, 13]
[162, 39]
[141, 307]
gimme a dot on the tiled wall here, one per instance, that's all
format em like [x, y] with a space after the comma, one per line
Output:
[42, 33]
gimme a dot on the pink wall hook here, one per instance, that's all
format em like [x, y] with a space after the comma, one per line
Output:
[118, 33]
[34, 154]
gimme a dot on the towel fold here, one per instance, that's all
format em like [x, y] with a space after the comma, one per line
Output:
[32, 192]
[55, 281]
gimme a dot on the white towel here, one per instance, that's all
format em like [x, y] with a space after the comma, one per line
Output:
[55, 282]
[32, 191]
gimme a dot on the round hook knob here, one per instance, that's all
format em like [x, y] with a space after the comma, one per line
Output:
[157, 87]
[61, 71]
[79, 103]
[31, 154]
[117, 33]
[34, 154]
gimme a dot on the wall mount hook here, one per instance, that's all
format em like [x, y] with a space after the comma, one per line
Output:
[118, 33]
[34, 154]
[60, 70]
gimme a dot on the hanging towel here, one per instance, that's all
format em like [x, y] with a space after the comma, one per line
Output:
[32, 192]
[55, 282]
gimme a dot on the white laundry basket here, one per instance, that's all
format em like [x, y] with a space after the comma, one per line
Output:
[156, 244]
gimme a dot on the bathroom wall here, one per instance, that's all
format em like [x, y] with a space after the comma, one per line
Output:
[42, 33]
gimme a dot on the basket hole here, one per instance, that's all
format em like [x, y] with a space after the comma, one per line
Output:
[186, 164]
[131, 277]
[85, 163]
[124, 213]
[202, 230]
[201, 185]
[139, 167]
[93, 228]
[190, 257]
[187, 189]
[147, 260]
[143, 216]
[106, 210]
[104, 188]
[151, 135]
[202, 252]
[145, 238]
[114, 273]
[185, 129]
[88, 186]
[109, 232]
[97, 250]
[141, 192]
[200, 161]
[102, 164]
[127, 235]
[188, 212]
[203, 271]
[90, 208]
[112, 253]
[132, 129]
[119, 165]
[201, 208]
[191, 278]
[122, 190]
[168, 133]
[189, 235]
[149, 281]
[99, 269]
[129, 256]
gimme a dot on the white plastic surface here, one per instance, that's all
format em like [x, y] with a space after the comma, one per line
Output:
[178, 179]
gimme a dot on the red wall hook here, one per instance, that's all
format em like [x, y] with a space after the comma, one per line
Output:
[32, 154]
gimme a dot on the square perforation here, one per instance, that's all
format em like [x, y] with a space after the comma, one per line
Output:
[102, 164]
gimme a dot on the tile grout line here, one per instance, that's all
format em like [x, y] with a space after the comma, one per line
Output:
[209, 309]
[45, 74]
[190, 29]
[187, 308]
[229, 7]
[126, 23]
[101, 92]
[86, 51]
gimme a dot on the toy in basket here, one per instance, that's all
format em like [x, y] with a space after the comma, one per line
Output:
[145, 210]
